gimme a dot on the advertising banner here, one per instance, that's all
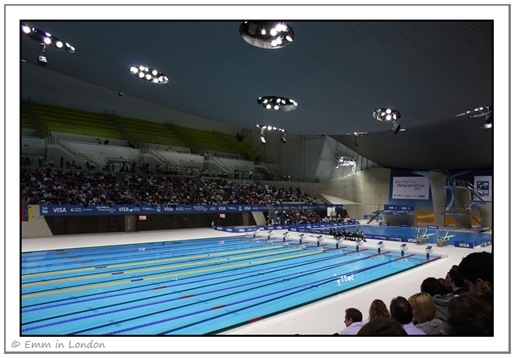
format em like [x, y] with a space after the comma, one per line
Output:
[413, 188]
[79, 210]
[483, 187]
[390, 207]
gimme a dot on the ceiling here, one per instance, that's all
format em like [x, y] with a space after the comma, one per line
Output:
[337, 71]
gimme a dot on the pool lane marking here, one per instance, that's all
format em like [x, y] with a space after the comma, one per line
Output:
[255, 272]
[147, 269]
[298, 288]
[275, 279]
[187, 257]
[98, 285]
[310, 285]
[180, 254]
[124, 248]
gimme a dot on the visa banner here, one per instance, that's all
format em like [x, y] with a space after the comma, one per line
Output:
[79, 210]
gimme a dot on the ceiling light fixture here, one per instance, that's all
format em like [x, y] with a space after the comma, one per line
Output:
[344, 161]
[277, 103]
[486, 111]
[149, 74]
[45, 39]
[265, 127]
[389, 115]
[386, 114]
[267, 34]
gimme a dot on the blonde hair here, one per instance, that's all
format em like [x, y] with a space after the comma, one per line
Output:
[378, 309]
[424, 305]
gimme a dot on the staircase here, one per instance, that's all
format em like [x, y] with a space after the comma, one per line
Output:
[130, 138]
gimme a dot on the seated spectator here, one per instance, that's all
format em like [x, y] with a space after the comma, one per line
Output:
[401, 311]
[440, 295]
[353, 322]
[382, 327]
[455, 281]
[424, 311]
[471, 302]
[378, 309]
[470, 324]
[476, 269]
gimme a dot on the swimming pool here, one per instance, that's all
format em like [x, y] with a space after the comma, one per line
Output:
[190, 287]
[409, 234]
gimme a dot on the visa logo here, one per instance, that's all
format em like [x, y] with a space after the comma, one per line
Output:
[463, 244]
[123, 208]
[59, 210]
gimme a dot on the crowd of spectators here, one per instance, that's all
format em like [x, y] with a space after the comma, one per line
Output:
[463, 306]
[81, 187]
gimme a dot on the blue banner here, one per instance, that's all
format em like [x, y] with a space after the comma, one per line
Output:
[389, 207]
[78, 210]
[464, 244]
[293, 227]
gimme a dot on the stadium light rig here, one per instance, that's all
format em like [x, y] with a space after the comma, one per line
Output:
[389, 115]
[345, 162]
[45, 40]
[486, 111]
[267, 34]
[149, 74]
[277, 103]
[264, 128]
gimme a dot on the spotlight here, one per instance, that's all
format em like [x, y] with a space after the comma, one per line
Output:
[488, 123]
[262, 136]
[267, 34]
[42, 60]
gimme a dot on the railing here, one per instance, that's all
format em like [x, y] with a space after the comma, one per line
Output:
[80, 156]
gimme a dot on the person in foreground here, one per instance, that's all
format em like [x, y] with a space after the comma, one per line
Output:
[401, 311]
[353, 322]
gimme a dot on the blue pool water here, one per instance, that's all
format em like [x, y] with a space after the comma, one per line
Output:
[192, 287]
[408, 234]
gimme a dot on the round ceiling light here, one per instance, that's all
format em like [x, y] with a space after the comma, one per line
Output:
[46, 38]
[386, 114]
[149, 74]
[276, 103]
[267, 34]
